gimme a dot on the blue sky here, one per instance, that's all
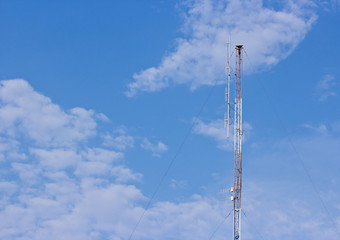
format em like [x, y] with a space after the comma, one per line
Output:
[97, 97]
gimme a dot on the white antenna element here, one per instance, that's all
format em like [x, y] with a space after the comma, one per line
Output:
[227, 91]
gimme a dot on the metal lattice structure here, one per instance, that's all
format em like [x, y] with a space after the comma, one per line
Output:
[238, 143]
[237, 122]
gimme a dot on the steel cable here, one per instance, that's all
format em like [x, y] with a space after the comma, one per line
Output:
[295, 149]
[172, 161]
[256, 230]
[221, 223]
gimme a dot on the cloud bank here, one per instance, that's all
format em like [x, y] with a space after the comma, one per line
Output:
[53, 185]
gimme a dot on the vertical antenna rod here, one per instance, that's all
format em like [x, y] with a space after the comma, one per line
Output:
[238, 143]
[227, 92]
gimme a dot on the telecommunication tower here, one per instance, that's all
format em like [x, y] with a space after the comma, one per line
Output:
[237, 123]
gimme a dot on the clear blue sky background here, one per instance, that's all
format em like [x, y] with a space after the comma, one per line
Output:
[97, 97]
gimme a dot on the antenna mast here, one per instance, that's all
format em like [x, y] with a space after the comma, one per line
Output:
[237, 121]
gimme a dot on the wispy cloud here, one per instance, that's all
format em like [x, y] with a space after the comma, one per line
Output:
[325, 87]
[119, 139]
[321, 128]
[215, 129]
[269, 36]
[176, 184]
[124, 174]
[156, 148]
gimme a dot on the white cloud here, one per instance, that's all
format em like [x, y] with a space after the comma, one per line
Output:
[81, 192]
[29, 174]
[325, 87]
[321, 128]
[9, 149]
[92, 168]
[215, 129]
[76, 191]
[56, 158]
[49, 190]
[26, 112]
[102, 117]
[102, 155]
[175, 184]
[8, 187]
[199, 59]
[97, 162]
[156, 148]
[279, 223]
[194, 219]
[124, 174]
[119, 139]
